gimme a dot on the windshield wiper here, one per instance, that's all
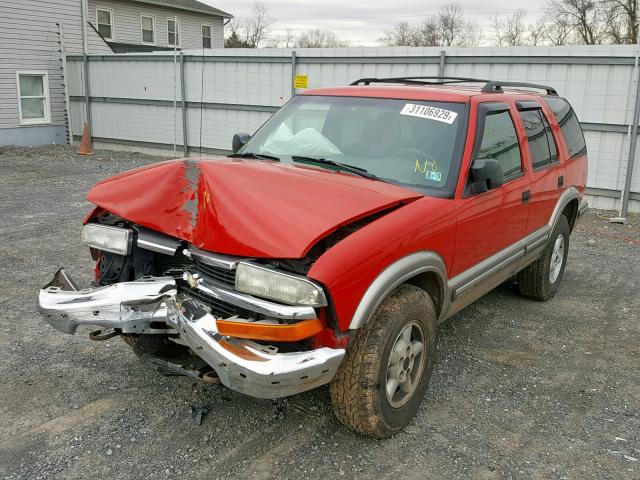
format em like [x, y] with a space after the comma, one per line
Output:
[259, 156]
[342, 166]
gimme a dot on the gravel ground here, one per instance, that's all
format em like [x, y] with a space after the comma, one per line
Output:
[520, 389]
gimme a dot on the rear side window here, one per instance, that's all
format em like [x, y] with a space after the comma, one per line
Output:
[541, 143]
[499, 141]
[569, 124]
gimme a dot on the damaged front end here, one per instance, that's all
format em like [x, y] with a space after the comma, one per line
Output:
[214, 256]
[190, 311]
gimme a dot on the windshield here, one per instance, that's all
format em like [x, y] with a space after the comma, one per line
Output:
[408, 142]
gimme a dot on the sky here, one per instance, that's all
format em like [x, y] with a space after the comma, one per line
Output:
[363, 23]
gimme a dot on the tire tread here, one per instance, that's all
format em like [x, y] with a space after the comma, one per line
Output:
[353, 390]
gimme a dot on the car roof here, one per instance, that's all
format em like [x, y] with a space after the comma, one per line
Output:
[445, 93]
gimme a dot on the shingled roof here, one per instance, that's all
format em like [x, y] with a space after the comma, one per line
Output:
[188, 5]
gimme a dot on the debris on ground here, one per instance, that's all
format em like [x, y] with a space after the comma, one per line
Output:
[197, 412]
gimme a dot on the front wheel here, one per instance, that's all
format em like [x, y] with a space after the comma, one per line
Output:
[383, 378]
[542, 278]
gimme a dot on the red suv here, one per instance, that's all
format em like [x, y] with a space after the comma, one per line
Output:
[330, 245]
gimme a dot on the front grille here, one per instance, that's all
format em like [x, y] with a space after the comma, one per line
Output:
[220, 275]
[218, 308]
[175, 266]
[171, 266]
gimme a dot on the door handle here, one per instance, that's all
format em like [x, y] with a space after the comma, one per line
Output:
[526, 196]
[561, 181]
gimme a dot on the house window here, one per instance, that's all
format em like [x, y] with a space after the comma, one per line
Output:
[105, 23]
[206, 36]
[173, 33]
[148, 29]
[33, 96]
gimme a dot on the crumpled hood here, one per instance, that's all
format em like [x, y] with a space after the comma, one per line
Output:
[244, 207]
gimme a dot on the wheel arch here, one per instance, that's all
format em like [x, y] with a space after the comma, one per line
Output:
[571, 212]
[425, 269]
[568, 201]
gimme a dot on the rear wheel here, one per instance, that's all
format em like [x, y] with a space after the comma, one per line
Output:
[542, 278]
[383, 378]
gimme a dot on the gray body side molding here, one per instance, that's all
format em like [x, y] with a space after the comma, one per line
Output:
[489, 272]
[395, 274]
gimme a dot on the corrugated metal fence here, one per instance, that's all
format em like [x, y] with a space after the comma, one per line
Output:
[155, 102]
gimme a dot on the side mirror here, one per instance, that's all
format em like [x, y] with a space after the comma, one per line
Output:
[239, 141]
[486, 174]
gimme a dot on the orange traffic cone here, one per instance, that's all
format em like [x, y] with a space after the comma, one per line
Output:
[85, 146]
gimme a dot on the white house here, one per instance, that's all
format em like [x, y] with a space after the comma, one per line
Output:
[35, 34]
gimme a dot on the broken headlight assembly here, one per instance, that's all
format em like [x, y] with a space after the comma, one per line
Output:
[106, 238]
[279, 286]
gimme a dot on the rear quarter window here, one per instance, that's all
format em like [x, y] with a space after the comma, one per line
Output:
[568, 121]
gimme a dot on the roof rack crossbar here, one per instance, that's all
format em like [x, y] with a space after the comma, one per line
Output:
[496, 87]
[491, 86]
[425, 80]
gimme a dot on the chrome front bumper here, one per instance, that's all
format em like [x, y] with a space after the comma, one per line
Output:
[144, 306]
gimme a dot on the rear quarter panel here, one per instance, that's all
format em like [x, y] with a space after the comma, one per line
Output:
[350, 266]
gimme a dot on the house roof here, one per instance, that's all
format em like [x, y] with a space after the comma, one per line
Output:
[189, 5]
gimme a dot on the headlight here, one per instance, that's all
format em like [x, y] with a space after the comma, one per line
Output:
[110, 239]
[282, 287]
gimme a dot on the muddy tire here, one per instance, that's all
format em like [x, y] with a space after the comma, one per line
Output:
[383, 378]
[154, 345]
[542, 278]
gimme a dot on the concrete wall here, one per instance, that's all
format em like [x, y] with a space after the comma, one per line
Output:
[135, 94]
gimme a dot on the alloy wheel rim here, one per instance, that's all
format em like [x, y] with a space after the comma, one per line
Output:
[557, 258]
[405, 365]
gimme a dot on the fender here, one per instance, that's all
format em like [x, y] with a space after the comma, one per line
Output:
[394, 275]
[571, 193]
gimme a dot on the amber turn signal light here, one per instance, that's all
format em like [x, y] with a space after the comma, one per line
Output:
[276, 333]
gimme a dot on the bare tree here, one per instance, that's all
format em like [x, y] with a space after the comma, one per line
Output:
[615, 26]
[447, 28]
[251, 32]
[509, 31]
[473, 35]
[586, 18]
[258, 28]
[402, 34]
[451, 24]
[289, 39]
[559, 30]
[537, 32]
[428, 34]
[318, 38]
[622, 20]
[236, 38]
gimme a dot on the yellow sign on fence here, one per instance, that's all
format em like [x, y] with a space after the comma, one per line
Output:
[301, 81]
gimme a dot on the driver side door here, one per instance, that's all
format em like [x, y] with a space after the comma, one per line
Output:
[490, 223]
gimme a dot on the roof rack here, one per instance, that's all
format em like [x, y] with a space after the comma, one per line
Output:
[418, 80]
[491, 86]
[496, 87]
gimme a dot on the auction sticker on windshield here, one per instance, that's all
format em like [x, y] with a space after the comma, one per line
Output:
[432, 113]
